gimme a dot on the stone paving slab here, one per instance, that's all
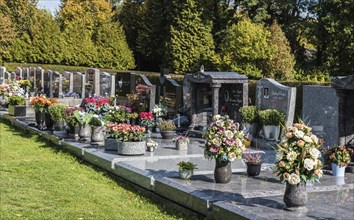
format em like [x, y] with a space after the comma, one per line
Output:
[243, 198]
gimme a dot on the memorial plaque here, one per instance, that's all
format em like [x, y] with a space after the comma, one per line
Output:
[320, 111]
[272, 95]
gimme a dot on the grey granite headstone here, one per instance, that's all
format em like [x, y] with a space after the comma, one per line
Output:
[68, 82]
[19, 72]
[47, 82]
[2, 74]
[272, 95]
[107, 84]
[79, 84]
[171, 91]
[320, 111]
[151, 92]
[125, 83]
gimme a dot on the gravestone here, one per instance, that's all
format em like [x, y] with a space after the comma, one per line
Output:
[107, 84]
[79, 84]
[171, 92]
[39, 74]
[320, 112]
[140, 79]
[210, 93]
[344, 86]
[272, 95]
[19, 72]
[56, 84]
[2, 74]
[125, 83]
[47, 83]
[27, 75]
[68, 79]
[92, 76]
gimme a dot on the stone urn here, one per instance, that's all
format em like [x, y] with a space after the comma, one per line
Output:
[98, 133]
[40, 118]
[222, 172]
[253, 169]
[85, 132]
[131, 148]
[295, 196]
[168, 134]
[49, 123]
[182, 145]
[17, 110]
[185, 174]
[111, 144]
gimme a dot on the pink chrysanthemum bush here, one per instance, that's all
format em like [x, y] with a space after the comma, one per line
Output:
[224, 140]
[298, 155]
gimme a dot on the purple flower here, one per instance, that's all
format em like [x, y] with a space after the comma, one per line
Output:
[214, 149]
[230, 142]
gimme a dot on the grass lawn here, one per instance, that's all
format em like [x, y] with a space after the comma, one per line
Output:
[41, 182]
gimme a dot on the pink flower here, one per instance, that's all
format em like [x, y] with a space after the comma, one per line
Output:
[230, 142]
[214, 149]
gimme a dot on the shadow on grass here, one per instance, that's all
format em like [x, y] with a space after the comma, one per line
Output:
[164, 205]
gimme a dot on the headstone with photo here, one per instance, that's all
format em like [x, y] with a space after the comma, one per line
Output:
[210, 93]
[344, 86]
[320, 112]
[272, 95]
[92, 76]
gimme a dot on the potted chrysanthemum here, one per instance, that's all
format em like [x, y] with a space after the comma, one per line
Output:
[298, 161]
[224, 143]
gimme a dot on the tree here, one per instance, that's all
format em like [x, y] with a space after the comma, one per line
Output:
[281, 64]
[7, 31]
[336, 36]
[191, 43]
[245, 47]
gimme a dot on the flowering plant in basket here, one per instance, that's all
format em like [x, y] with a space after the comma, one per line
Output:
[224, 140]
[298, 157]
[126, 132]
[147, 119]
[339, 155]
[41, 103]
[97, 105]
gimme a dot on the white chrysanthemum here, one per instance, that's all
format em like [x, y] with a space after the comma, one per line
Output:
[314, 138]
[309, 164]
[294, 179]
[216, 118]
[315, 153]
[238, 142]
[279, 155]
[217, 142]
[220, 123]
[229, 134]
[307, 139]
[232, 156]
[299, 134]
[291, 156]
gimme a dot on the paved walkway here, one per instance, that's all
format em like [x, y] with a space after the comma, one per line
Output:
[244, 197]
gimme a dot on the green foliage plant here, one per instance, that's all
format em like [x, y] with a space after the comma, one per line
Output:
[271, 117]
[166, 125]
[83, 118]
[57, 112]
[16, 100]
[249, 114]
[187, 166]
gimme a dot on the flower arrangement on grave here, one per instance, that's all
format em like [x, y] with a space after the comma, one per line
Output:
[119, 113]
[16, 100]
[97, 105]
[69, 116]
[339, 155]
[166, 125]
[147, 120]
[224, 140]
[83, 118]
[298, 157]
[126, 132]
[41, 103]
[57, 112]
[11, 89]
[159, 110]
[152, 143]
[137, 101]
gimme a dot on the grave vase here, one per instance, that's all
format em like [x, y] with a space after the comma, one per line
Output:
[85, 132]
[168, 134]
[98, 133]
[40, 117]
[131, 148]
[253, 169]
[185, 174]
[338, 171]
[49, 123]
[271, 132]
[295, 196]
[182, 145]
[59, 125]
[222, 172]
[73, 130]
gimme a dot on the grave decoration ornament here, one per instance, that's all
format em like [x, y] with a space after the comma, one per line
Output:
[298, 161]
[224, 143]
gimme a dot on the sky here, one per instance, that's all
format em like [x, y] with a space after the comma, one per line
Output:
[51, 5]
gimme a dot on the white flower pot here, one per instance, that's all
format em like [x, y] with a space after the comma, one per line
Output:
[337, 171]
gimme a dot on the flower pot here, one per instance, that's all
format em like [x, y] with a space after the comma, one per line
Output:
[253, 169]
[73, 131]
[98, 133]
[337, 171]
[222, 172]
[85, 132]
[271, 132]
[40, 118]
[250, 128]
[185, 174]
[59, 125]
[111, 144]
[168, 134]
[131, 148]
[182, 145]
[150, 149]
[48, 121]
[17, 110]
[295, 196]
